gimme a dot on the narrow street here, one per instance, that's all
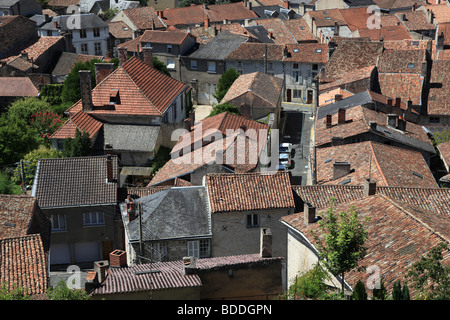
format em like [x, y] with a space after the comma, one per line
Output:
[298, 130]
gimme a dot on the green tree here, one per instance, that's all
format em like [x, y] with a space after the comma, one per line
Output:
[380, 293]
[51, 93]
[30, 161]
[405, 292]
[62, 292]
[160, 66]
[224, 107]
[441, 137]
[359, 293]
[224, 83]
[14, 293]
[7, 186]
[341, 241]
[430, 277]
[310, 284]
[397, 290]
[79, 146]
[23, 109]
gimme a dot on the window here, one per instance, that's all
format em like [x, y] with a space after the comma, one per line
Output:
[96, 32]
[49, 33]
[158, 251]
[93, 218]
[58, 222]
[434, 119]
[297, 76]
[199, 248]
[239, 64]
[84, 48]
[174, 112]
[211, 66]
[297, 94]
[315, 67]
[170, 64]
[269, 66]
[252, 220]
[194, 64]
[169, 48]
[98, 48]
[82, 33]
[295, 66]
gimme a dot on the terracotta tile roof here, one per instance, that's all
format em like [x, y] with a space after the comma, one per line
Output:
[256, 51]
[17, 87]
[300, 30]
[353, 55]
[276, 27]
[120, 30]
[63, 3]
[240, 154]
[443, 55]
[24, 264]
[249, 191]
[66, 182]
[144, 18]
[444, 149]
[328, 96]
[357, 122]
[158, 36]
[307, 52]
[342, 80]
[42, 45]
[407, 86]
[406, 44]
[143, 90]
[444, 28]
[254, 86]
[20, 63]
[217, 13]
[438, 102]
[397, 32]
[222, 123]
[399, 234]
[81, 121]
[387, 165]
[441, 12]
[16, 212]
[326, 18]
[415, 20]
[401, 61]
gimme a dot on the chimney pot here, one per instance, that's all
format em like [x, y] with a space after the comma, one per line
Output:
[369, 187]
[392, 120]
[266, 243]
[101, 267]
[118, 258]
[309, 213]
[188, 265]
[337, 97]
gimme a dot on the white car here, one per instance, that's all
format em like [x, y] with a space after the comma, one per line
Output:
[285, 159]
[286, 148]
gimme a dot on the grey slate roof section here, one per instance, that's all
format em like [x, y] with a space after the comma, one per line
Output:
[359, 3]
[275, 11]
[178, 212]
[65, 64]
[219, 47]
[67, 22]
[131, 137]
[358, 99]
[260, 33]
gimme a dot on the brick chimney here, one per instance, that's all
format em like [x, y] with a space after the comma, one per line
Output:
[207, 22]
[118, 259]
[337, 97]
[398, 102]
[266, 243]
[340, 169]
[336, 28]
[341, 116]
[109, 169]
[122, 55]
[328, 120]
[286, 4]
[102, 70]
[369, 187]
[86, 90]
[147, 56]
[401, 124]
[392, 120]
[440, 42]
[188, 265]
[309, 213]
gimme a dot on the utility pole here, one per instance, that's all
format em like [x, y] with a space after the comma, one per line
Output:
[141, 247]
[22, 174]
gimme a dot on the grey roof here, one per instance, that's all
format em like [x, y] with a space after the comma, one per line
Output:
[275, 11]
[178, 212]
[67, 22]
[358, 99]
[219, 47]
[65, 63]
[73, 182]
[359, 3]
[131, 137]
[7, 3]
[260, 32]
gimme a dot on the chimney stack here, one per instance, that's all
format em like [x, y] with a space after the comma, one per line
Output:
[392, 120]
[122, 55]
[373, 125]
[440, 42]
[118, 258]
[102, 70]
[266, 243]
[109, 169]
[286, 4]
[337, 141]
[389, 101]
[101, 268]
[147, 56]
[341, 116]
[398, 102]
[309, 213]
[401, 124]
[188, 265]
[192, 117]
[328, 120]
[86, 90]
[340, 169]
[337, 97]
[369, 187]
[336, 28]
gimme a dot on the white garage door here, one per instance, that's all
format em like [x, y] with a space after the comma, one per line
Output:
[86, 251]
[59, 254]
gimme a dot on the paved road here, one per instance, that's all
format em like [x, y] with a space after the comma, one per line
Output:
[298, 130]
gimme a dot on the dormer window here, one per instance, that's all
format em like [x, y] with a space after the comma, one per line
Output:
[411, 65]
[114, 97]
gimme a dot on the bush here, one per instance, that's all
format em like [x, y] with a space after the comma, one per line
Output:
[62, 292]
[360, 291]
[51, 93]
[79, 146]
[310, 284]
[225, 107]
[224, 83]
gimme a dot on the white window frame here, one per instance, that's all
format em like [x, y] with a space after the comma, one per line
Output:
[98, 48]
[296, 94]
[193, 249]
[84, 48]
[95, 218]
[58, 221]
[212, 67]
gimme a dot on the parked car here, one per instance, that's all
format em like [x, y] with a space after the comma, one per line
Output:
[285, 159]
[286, 148]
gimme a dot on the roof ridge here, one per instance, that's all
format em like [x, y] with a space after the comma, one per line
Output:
[377, 164]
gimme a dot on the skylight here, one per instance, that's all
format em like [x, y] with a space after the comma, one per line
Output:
[417, 174]
[411, 65]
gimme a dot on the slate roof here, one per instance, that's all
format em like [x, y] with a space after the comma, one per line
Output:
[68, 59]
[81, 121]
[17, 87]
[86, 21]
[219, 47]
[178, 212]
[249, 191]
[398, 235]
[68, 182]
[275, 11]
[24, 264]
[352, 55]
[131, 137]
[387, 165]
[143, 90]
[251, 86]
[438, 102]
